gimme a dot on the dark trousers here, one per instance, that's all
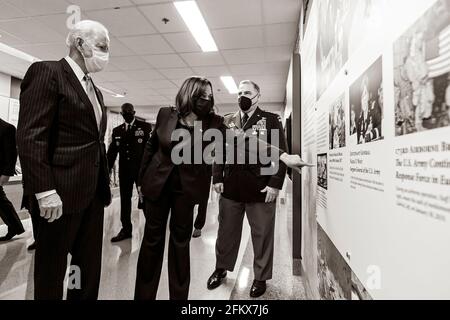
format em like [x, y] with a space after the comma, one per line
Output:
[201, 214]
[31, 204]
[127, 182]
[9, 214]
[81, 235]
[152, 248]
[261, 217]
[201, 211]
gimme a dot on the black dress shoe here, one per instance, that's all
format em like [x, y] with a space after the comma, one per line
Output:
[32, 246]
[258, 289]
[8, 236]
[216, 278]
[121, 236]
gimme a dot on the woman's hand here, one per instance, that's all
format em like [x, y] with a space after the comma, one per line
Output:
[218, 187]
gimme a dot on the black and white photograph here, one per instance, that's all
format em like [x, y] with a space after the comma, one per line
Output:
[181, 150]
[366, 105]
[422, 73]
[337, 124]
[332, 43]
[322, 170]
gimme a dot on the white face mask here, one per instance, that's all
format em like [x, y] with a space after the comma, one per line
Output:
[97, 62]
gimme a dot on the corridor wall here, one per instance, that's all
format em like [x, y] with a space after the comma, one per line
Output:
[376, 122]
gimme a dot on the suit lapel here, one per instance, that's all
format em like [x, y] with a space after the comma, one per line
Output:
[80, 90]
[237, 120]
[256, 116]
[171, 125]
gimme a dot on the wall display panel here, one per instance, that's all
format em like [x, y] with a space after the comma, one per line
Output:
[378, 129]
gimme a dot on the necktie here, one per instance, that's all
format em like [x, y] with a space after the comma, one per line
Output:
[93, 98]
[244, 119]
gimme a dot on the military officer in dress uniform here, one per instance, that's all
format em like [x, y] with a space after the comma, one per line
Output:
[247, 189]
[128, 140]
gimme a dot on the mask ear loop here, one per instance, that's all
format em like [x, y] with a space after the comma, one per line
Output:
[258, 94]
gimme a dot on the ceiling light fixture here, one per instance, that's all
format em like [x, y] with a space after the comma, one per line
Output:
[229, 83]
[112, 93]
[195, 22]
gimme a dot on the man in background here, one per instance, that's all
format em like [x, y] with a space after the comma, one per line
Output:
[8, 159]
[128, 140]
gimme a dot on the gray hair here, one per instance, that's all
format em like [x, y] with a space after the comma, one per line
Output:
[252, 83]
[84, 29]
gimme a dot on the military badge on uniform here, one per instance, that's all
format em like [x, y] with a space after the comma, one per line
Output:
[140, 140]
[260, 126]
[139, 133]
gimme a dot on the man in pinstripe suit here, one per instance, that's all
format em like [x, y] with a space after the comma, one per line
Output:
[60, 137]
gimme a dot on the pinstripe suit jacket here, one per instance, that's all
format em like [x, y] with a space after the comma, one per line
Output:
[60, 146]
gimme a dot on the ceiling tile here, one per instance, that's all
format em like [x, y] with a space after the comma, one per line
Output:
[115, 76]
[118, 49]
[151, 44]
[203, 59]
[129, 63]
[280, 34]
[32, 31]
[212, 71]
[282, 53]
[10, 40]
[238, 38]
[100, 4]
[143, 75]
[149, 1]
[281, 11]
[155, 13]
[52, 51]
[123, 22]
[168, 92]
[242, 56]
[272, 68]
[40, 7]
[231, 13]
[183, 42]
[176, 73]
[165, 61]
[57, 22]
[8, 11]
[136, 84]
[162, 84]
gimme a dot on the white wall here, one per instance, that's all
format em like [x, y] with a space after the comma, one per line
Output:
[5, 87]
[401, 238]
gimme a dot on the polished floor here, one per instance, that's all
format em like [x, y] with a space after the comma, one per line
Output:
[119, 261]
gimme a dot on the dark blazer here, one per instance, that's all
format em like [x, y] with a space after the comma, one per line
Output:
[8, 150]
[130, 147]
[244, 182]
[157, 164]
[60, 146]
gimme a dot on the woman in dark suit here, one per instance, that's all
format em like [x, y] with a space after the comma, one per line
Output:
[176, 188]
[167, 187]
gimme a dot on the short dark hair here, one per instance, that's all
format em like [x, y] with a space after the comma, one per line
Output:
[191, 90]
[127, 105]
[257, 88]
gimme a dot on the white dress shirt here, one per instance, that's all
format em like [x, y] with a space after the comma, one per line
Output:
[128, 126]
[80, 76]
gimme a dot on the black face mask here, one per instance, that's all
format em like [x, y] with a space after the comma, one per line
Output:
[245, 103]
[203, 107]
[128, 117]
